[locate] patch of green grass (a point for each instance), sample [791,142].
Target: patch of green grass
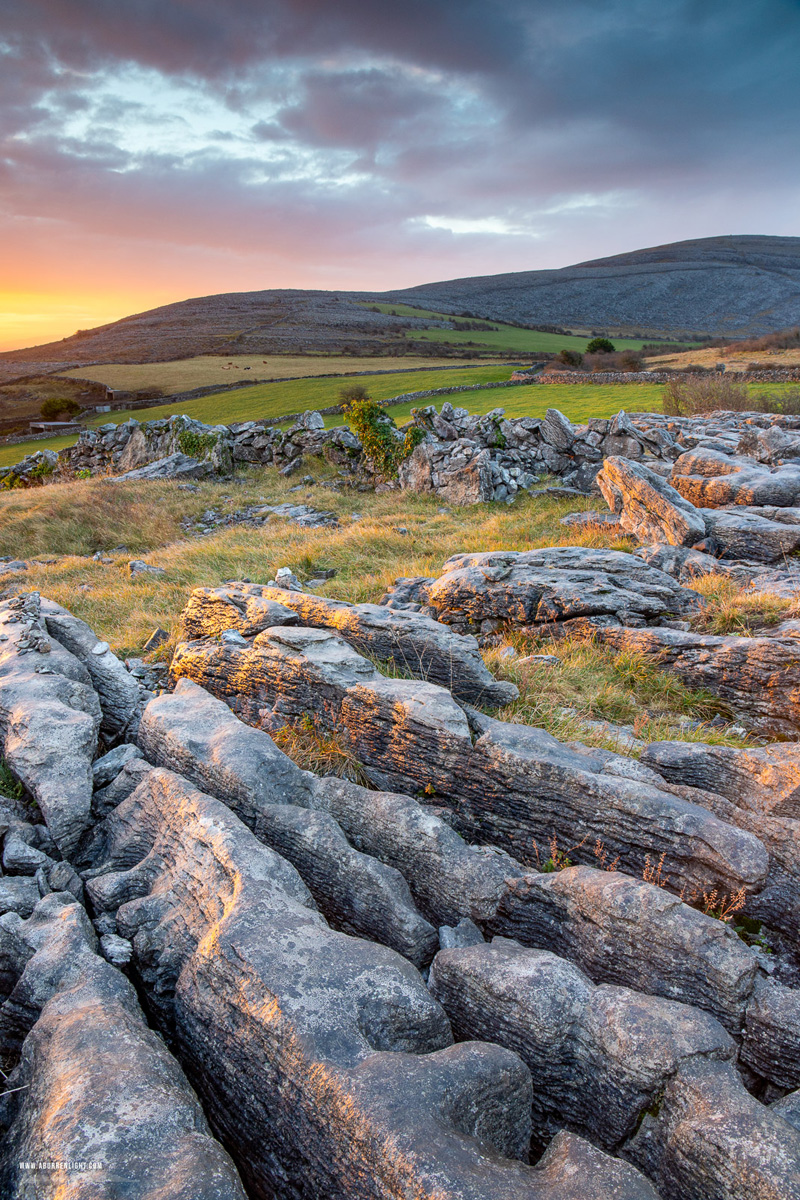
[10,786]
[501,337]
[14,453]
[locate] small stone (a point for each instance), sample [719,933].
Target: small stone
[138,567]
[232,637]
[100,648]
[465,933]
[116,950]
[157,638]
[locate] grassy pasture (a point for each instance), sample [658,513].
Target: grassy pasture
[577,401]
[207,370]
[501,338]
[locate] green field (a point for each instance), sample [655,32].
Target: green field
[576,401]
[501,339]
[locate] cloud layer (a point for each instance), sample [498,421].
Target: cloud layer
[163,148]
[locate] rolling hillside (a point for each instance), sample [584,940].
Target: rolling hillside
[722,286]
[719,286]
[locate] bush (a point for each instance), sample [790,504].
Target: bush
[686,395]
[690,394]
[377,431]
[782,339]
[600,345]
[629,360]
[55,406]
[570,358]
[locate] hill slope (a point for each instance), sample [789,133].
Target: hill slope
[732,285]
[727,285]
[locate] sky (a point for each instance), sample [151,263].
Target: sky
[153,150]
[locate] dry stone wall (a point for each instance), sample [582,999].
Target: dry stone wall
[463,458]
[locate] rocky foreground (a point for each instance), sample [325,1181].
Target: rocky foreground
[508,966]
[224,976]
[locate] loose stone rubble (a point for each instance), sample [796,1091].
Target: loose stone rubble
[275,924]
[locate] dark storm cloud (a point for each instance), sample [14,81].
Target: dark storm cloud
[359,118]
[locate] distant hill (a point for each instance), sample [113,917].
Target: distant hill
[727,286]
[735,286]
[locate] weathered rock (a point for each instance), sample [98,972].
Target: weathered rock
[18,894]
[592,520]
[749,793]
[599,1056]
[681,562]
[788,1108]
[550,585]
[514,785]
[94,1084]
[738,533]
[120,786]
[411,641]
[772,1034]
[197,735]
[621,930]
[759,677]
[710,479]
[761,779]
[710,1138]
[109,766]
[356,892]
[465,933]
[49,718]
[322,1059]
[557,430]
[121,696]
[300,514]
[647,505]
[174,466]
[661,945]
[137,566]
[448,878]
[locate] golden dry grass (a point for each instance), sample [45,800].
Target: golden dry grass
[776,360]
[380,537]
[730,608]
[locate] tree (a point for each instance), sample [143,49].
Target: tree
[54,407]
[600,345]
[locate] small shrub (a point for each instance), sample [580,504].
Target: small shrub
[196,445]
[570,358]
[377,431]
[782,339]
[600,345]
[559,860]
[629,360]
[602,859]
[41,469]
[84,473]
[653,872]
